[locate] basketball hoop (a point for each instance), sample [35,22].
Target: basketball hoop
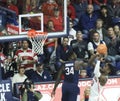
[37,40]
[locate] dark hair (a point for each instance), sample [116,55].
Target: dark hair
[21,66]
[39,63]
[104,7]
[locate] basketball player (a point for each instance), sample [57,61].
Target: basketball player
[100,78]
[70,89]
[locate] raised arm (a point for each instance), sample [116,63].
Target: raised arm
[57,81]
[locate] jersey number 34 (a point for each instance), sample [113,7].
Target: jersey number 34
[69,70]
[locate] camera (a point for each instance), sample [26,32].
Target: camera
[27,84]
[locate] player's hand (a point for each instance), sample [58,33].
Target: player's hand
[100,56]
[53,94]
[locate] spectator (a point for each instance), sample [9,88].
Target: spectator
[88,20]
[98,3]
[39,3]
[62,52]
[2,61]
[79,46]
[10,67]
[49,46]
[80,7]
[12,7]
[99,28]
[117,31]
[20,76]
[10,49]
[57,20]
[60,6]
[71,10]
[114,11]
[72,32]
[48,7]
[27,57]
[113,44]
[105,16]
[41,74]
[50,27]
[83,73]
[86,94]
[95,41]
[19,4]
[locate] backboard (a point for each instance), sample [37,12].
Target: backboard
[18,28]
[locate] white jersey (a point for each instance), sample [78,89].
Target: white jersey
[96,88]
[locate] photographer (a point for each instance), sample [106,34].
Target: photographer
[28,93]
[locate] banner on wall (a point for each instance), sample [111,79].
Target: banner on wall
[5,90]
[110,92]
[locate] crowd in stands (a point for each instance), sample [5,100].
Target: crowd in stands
[91,22]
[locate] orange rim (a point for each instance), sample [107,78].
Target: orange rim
[43,33]
[31,33]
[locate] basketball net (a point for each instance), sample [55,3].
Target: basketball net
[37,40]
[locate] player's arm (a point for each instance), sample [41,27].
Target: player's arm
[57,81]
[97,69]
[82,64]
[95,62]
[91,61]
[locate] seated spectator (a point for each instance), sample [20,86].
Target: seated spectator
[117,31]
[113,44]
[114,11]
[105,16]
[49,46]
[50,27]
[48,7]
[72,32]
[99,28]
[71,10]
[83,74]
[20,76]
[98,3]
[12,7]
[79,46]
[40,74]
[88,20]
[60,6]
[19,4]
[80,7]
[57,20]
[10,67]
[62,52]
[2,61]
[95,41]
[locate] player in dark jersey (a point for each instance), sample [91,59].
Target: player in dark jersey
[70,89]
